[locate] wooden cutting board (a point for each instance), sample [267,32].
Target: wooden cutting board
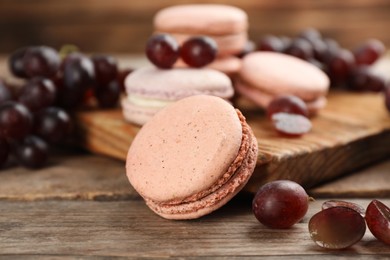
[351,132]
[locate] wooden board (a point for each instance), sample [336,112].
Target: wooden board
[353,131]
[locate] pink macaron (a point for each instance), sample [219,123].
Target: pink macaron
[192,157]
[149,89]
[266,75]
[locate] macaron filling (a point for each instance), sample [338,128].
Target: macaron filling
[227,186]
[148,102]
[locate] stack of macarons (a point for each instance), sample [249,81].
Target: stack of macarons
[227,25]
[149,89]
[266,75]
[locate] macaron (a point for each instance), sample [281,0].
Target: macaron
[266,75]
[227,25]
[192,157]
[149,89]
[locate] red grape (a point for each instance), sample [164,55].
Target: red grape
[287,104]
[300,48]
[368,52]
[337,227]
[198,51]
[378,220]
[5,92]
[280,204]
[387,98]
[332,49]
[15,63]
[162,50]
[347,204]
[106,68]
[32,152]
[15,120]
[108,95]
[340,65]
[4,151]
[122,74]
[38,93]
[310,34]
[249,47]
[52,124]
[41,61]
[363,79]
[270,43]
[291,124]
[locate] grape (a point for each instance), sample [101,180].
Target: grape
[38,93]
[270,43]
[363,79]
[368,52]
[300,48]
[387,98]
[106,68]
[15,63]
[249,47]
[108,95]
[122,74]
[378,220]
[15,120]
[162,50]
[78,76]
[337,227]
[4,151]
[291,124]
[319,49]
[198,51]
[347,204]
[41,61]
[286,42]
[280,204]
[32,152]
[332,49]
[287,104]
[310,34]
[52,124]
[5,92]
[340,65]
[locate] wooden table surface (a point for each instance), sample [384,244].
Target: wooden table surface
[82,206]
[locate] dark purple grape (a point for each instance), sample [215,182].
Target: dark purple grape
[4,151]
[250,46]
[78,75]
[300,48]
[280,204]
[317,63]
[108,95]
[106,68]
[5,92]
[53,124]
[335,203]
[387,98]
[162,50]
[37,93]
[368,52]
[364,79]
[310,34]
[15,120]
[340,66]
[319,49]
[378,220]
[122,75]
[41,61]
[332,49]
[15,63]
[337,227]
[270,43]
[31,152]
[199,51]
[286,42]
[287,104]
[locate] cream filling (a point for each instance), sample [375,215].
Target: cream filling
[148,102]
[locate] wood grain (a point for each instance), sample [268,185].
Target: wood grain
[345,136]
[129,229]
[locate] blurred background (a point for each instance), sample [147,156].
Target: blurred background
[118,26]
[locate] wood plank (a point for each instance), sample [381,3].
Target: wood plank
[345,136]
[130,229]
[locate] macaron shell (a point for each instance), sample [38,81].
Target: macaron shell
[178,83]
[184,149]
[227,44]
[277,73]
[210,19]
[263,99]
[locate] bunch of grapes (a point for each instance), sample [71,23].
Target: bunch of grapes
[37,114]
[350,69]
